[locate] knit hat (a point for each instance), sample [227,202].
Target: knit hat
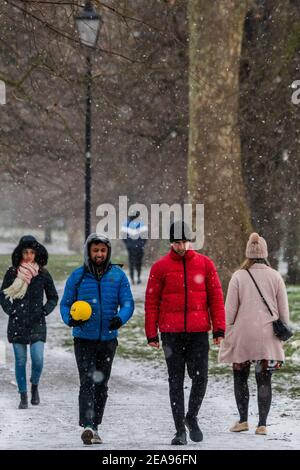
[256,247]
[180,231]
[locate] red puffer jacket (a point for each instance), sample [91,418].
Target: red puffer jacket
[184,294]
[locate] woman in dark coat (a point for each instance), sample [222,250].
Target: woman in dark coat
[22,298]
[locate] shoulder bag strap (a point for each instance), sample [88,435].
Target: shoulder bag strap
[262,297]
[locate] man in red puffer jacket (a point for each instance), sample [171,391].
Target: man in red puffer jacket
[184,301]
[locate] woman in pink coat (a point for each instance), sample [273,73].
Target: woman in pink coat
[249,334]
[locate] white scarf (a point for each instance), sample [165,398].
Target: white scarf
[25,273]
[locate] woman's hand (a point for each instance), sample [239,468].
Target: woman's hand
[217,341]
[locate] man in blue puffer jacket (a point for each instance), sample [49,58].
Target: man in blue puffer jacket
[106,288]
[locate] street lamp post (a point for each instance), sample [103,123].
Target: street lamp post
[88,24]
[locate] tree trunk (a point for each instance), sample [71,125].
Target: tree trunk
[292,251]
[269,121]
[75,236]
[214,161]
[48,234]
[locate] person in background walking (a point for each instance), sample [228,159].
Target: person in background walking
[249,333]
[22,298]
[135,233]
[184,300]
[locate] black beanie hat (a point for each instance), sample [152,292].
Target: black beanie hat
[179,230]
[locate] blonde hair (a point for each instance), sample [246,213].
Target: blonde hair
[247,263]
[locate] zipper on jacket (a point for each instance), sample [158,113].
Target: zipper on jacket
[100,303]
[100,306]
[185,293]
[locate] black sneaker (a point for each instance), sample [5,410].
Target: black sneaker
[179,439]
[194,430]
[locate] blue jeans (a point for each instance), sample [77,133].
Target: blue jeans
[37,361]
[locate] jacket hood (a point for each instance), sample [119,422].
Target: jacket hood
[98,238]
[28,241]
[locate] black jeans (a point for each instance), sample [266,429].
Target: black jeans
[189,349]
[135,257]
[94,361]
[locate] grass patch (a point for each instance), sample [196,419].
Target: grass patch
[294,304]
[59,266]
[133,343]
[5,262]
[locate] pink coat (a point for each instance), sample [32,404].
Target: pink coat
[249,331]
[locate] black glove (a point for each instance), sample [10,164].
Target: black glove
[73,322]
[115,323]
[153,340]
[218,334]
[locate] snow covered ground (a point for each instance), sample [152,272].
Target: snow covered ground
[137,415]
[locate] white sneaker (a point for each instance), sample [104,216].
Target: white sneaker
[96,438]
[87,436]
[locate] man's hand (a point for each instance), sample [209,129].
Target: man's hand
[153,342]
[73,322]
[218,341]
[218,336]
[115,323]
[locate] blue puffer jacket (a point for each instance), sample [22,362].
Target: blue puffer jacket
[109,296]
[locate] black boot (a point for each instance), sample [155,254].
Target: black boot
[193,427]
[35,398]
[179,439]
[24,401]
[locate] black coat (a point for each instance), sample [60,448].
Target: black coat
[27,323]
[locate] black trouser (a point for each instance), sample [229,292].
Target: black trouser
[94,361]
[264,393]
[189,349]
[135,256]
